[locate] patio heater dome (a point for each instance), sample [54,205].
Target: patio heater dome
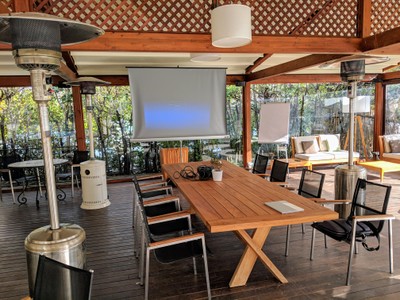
[87,84]
[36,38]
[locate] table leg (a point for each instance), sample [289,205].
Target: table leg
[253,251]
[382,173]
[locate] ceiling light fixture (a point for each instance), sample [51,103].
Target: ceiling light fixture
[231,26]
[204,57]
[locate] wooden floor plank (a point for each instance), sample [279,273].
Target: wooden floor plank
[109,245]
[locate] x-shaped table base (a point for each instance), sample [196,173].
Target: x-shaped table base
[249,257]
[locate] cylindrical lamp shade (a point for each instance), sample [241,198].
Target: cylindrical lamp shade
[231,26]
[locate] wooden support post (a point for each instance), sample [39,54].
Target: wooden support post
[379,122]
[246,125]
[79,120]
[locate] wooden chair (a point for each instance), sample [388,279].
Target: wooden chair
[173,156]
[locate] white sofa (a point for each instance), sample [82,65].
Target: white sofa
[320,149]
[389,147]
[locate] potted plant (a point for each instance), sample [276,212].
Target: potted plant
[216,162]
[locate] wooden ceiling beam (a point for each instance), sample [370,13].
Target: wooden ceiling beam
[168,42]
[258,62]
[307,78]
[69,61]
[15,81]
[364,18]
[22,5]
[20,81]
[384,43]
[3,8]
[390,76]
[65,72]
[294,65]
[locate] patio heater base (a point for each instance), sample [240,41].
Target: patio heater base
[94,184]
[66,244]
[345,183]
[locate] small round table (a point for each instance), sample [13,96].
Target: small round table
[36,164]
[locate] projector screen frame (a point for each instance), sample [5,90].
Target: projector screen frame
[214,88]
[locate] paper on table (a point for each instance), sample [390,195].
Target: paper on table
[284,207]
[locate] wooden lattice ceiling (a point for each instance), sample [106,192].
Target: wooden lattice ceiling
[269,17]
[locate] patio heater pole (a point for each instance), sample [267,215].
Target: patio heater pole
[89,111]
[36,41]
[346,176]
[42,98]
[93,172]
[352,94]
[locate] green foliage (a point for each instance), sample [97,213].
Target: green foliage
[312,110]
[112,120]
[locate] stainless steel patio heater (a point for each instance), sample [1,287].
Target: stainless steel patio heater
[36,41]
[93,172]
[346,176]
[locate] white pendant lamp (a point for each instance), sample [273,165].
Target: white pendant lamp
[231,26]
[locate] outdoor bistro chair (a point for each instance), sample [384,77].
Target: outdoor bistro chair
[6,176]
[162,192]
[151,181]
[311,184]
[170,249]
[366,219]
[155,201]
[56,280]
[279,172]
[16,175]
[79,156]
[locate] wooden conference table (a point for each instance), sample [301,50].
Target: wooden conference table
[237,203]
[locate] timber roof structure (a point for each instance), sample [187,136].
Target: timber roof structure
[291,38]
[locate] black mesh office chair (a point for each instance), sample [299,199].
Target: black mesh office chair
[260,164]
[279,171]
[311,184]
[55,280]
[366,221]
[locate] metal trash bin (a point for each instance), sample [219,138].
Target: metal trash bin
[94,184]
[345,183]
[66,244]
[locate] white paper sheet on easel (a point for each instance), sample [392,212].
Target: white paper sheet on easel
[274,123]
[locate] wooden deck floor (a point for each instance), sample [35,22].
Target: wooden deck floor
[110,254]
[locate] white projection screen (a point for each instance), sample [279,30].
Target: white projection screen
[178,103]
[274,123]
